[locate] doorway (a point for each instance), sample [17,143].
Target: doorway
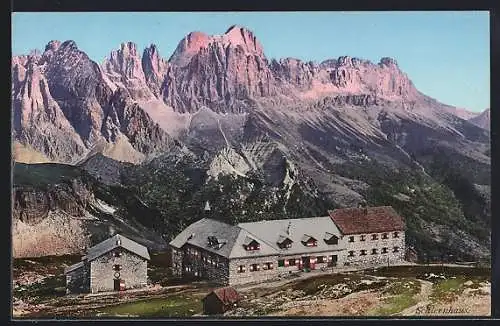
[334,260]
[116,286]
[306,262]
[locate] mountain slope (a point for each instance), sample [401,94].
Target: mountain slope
[482,120]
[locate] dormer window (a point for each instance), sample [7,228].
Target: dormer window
[309,241]
[216,243]
[284,242]
[251,244]
[331,239]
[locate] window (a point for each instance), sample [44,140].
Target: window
[384,250]
[374,236]
[351,254]
[320,259]
[395,235]
[385,236]
[362,237]
[291,262]
[374,251]
[362,253]
[117,254]
[117,267]
[241,269]
[396,249]
[267,266]
[351,239]
[254,267]
[281,263]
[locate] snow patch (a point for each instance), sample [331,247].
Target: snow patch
[103,206]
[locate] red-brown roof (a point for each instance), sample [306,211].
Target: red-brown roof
[227,295]
[367,220]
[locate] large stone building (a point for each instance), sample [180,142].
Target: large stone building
[258,251]
[373,235]
[115,264]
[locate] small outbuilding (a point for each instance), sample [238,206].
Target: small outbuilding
[220,300]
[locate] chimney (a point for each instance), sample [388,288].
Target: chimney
[288,228]
[118,241]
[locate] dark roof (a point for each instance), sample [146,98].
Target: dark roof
[227,295]
[73,267]
[329,235]
[367,220]
[115,242]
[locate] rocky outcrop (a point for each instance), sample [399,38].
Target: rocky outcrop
[482,120]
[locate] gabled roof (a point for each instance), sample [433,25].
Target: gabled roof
[197,235]
[117,241]
[367,220]
[227,295]
[273,231]
[73,267]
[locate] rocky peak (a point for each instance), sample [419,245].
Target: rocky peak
[129,48]
[189,46]
[124,68]
[237,35]
[234,37]
[155,68]
[53,45]
[389,62]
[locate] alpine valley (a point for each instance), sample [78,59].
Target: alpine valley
[140,144]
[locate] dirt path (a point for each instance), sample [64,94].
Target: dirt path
[423,299]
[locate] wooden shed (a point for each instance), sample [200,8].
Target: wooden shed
[220,300]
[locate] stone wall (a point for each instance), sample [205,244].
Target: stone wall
[177,258]
[379,258]
[134,271]
[328,261]
[77,281]
[194,262]
[246,275]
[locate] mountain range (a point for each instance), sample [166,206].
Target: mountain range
[257,137]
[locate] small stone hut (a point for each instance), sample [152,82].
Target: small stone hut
[115,264]
[220,300]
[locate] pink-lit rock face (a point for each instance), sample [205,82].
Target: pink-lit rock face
[124,68]
[155,68]
[226,73]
